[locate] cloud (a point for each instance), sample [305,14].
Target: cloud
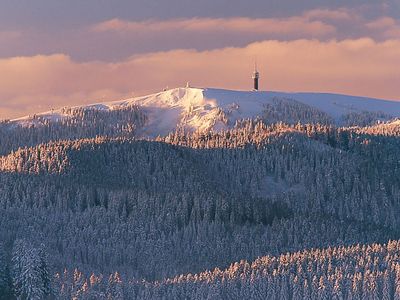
[382,23]
[340,14]
[386,26]
[9,35]
[359,66]
[116,39]
[297,26]
[213,33]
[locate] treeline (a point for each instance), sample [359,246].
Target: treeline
[354,272]
[365,118]
[391,128]
[72,123]
[291,111]
[126,121]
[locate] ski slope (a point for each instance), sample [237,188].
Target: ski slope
[216,109]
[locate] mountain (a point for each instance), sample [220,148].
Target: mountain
[197,109]
[137,199]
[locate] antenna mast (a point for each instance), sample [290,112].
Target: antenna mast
[256,76]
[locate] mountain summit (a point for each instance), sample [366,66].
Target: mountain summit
[204,109]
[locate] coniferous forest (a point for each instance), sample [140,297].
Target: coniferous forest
[289,206]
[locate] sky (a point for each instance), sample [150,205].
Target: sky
[64,53]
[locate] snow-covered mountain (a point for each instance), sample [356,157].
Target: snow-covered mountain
[208,108]
[134,218]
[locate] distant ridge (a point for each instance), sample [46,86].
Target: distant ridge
[203,109]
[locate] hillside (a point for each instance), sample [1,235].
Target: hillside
[196,109]
[269,188]
[355,272]
[94,208]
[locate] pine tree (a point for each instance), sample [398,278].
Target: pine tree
[114,288]
[5,278]
[44,270]
[397,285]
[28,274]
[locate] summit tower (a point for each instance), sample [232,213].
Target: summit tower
[256,76]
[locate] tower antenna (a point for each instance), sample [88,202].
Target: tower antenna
[256,76]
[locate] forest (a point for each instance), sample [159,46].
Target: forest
[290,209]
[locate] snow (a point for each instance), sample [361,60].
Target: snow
[337,105]
[209,108]
[394,123]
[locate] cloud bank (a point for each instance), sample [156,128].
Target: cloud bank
[353,66]
[116,38]
[294,26]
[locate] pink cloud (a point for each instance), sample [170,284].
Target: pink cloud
[294,25]
[116,39]
[386,26]
[9,35]
[359,66]
[342,14]
[382,23]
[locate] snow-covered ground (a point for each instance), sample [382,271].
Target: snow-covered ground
[209,108]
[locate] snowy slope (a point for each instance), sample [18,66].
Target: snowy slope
[209,108]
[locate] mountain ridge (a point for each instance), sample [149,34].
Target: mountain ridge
[204,109]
